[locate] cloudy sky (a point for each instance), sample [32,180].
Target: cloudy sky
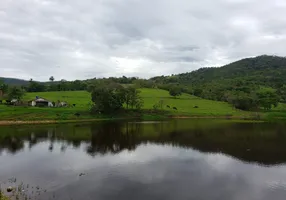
[79,39]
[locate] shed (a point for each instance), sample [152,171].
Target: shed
[41,102]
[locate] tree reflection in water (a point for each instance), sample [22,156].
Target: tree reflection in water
[252,142]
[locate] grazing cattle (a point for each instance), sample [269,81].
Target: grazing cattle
[196,106]
[8,102]
[175,108]
[77,114]
[168,106]
[74,105]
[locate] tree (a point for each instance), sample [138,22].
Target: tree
[52,79]
[63,85]
[282,93]
[107,99]
[132,98]
[198,92]
[35,87]
[242,100]
[16,93]
[267,99]
[3,88]
[175,91]
[142,83]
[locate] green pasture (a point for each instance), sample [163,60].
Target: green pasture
[187,105]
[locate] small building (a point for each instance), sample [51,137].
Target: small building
[41,102]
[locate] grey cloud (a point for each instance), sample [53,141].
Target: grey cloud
[85,37]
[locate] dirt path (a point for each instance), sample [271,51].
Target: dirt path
[27,122]
[6,122]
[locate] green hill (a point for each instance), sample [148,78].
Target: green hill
[14,81]
[241,83]
[262,70]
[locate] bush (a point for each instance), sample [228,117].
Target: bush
[175,91]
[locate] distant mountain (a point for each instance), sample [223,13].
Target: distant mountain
[14,81]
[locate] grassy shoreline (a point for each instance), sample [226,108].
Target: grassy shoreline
[147,117]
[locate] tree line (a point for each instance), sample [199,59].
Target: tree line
[109,94]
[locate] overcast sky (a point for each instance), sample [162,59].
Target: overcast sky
[79,39]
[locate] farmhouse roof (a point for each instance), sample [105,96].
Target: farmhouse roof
[40,100]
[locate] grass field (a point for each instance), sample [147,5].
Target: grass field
[186,103]
[185,106]
[82,100]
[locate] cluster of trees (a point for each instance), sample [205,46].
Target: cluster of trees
[10,92]
[111,97]
[175,91]
[256,100]
[3,88]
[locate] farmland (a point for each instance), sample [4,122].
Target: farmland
[186,106]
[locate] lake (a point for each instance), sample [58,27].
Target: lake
[178,159]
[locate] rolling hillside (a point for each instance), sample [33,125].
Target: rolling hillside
[14,81]
[241,83]
[262,70]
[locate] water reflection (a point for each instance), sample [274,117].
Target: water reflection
[253,142]
[185,159]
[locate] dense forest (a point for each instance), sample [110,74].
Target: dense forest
[247,84]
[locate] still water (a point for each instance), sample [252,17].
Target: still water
[182,159]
